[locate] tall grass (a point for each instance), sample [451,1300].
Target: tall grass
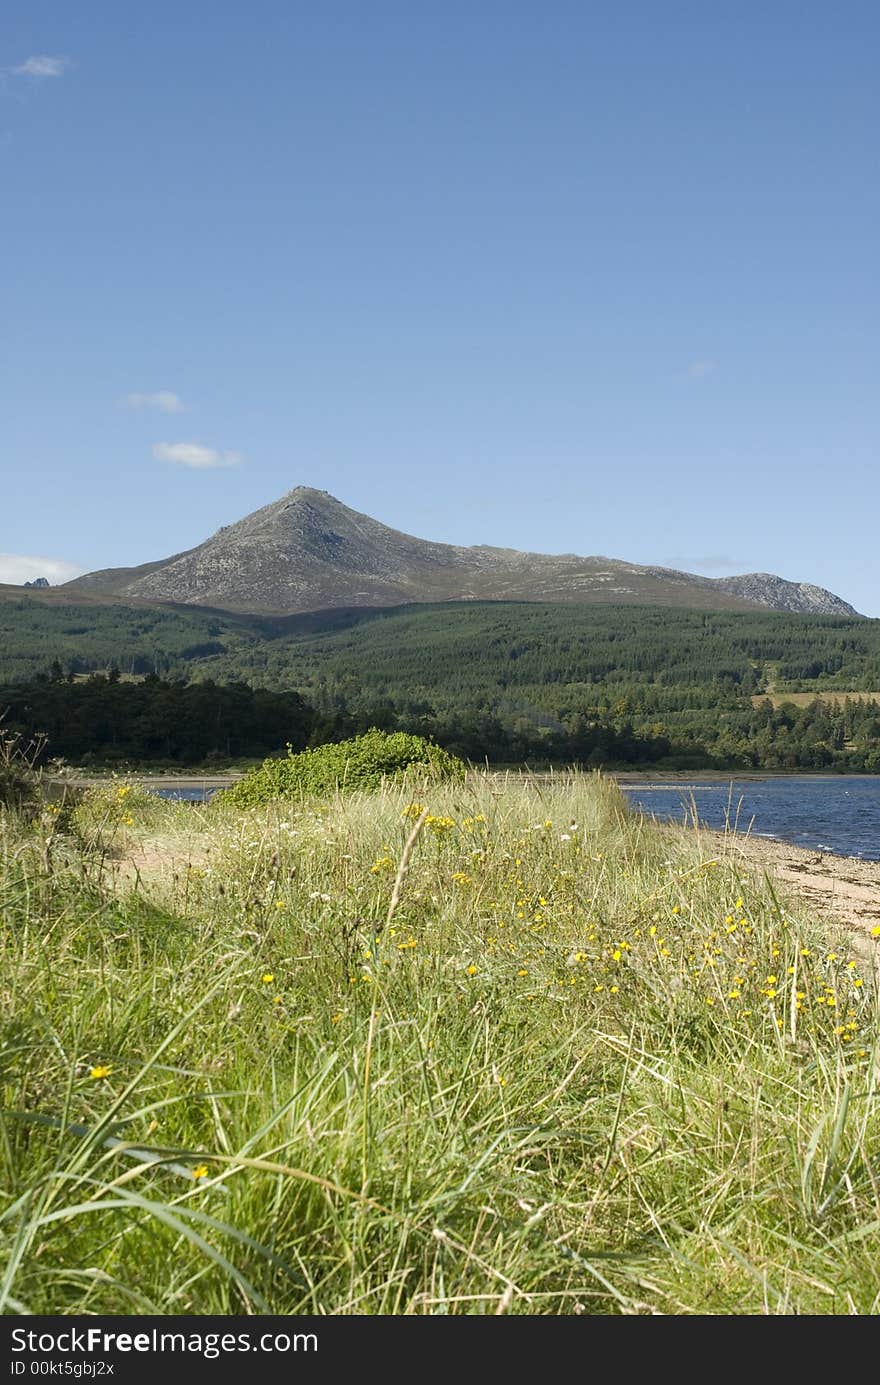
[576,1066]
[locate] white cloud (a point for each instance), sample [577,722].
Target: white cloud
[698,370]
[42,66]
[166,401]
[18,568]
[193,454]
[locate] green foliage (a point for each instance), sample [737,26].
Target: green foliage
[108,720]
[508,682]
[361,763]
[95,637]
[510,644]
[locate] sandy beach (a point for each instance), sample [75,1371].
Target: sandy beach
[840,888]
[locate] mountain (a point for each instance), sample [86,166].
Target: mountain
[308,552]
[764,589]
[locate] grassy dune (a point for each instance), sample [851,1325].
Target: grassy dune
[565,1064]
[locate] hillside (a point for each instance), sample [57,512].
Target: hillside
[477,645]
[308,551]
[507,681]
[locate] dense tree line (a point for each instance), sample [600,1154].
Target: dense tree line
[106,720]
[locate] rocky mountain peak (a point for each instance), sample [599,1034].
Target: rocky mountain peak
[308,551]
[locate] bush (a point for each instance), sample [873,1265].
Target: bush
[361,763]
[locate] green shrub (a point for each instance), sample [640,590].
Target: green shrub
[361,763]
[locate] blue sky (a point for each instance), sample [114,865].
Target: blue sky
[570,277]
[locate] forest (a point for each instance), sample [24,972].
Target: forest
[518,642]
[503,682]
[103,721]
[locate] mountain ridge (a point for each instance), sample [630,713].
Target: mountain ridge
[308,551]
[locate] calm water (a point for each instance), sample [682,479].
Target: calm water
[840,815]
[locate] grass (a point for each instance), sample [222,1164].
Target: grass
[564,1063]
[804,699]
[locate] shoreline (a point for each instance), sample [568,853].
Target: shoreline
[725,776]
[842,888]
[845,887]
